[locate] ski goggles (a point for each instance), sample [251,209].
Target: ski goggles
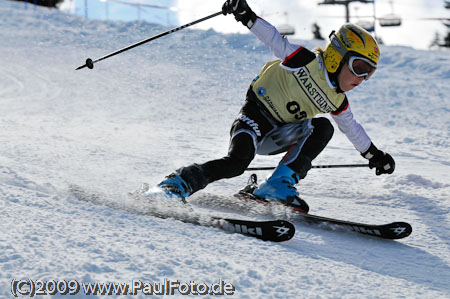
[361,67]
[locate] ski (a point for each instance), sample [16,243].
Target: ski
[394,230]
[272,230]
[269,230]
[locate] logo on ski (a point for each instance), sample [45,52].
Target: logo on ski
[281,230]
[272,230]
[398,230]
[243,229]
[361,229]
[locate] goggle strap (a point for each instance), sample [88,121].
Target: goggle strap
[338,45]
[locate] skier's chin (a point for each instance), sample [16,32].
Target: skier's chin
[349,87]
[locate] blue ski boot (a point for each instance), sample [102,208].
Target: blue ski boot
[173,186]
[280,186]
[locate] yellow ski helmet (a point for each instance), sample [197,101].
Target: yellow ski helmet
[350,40]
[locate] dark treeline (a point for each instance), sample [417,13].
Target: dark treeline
[48,3]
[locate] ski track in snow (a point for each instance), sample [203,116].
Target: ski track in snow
[138,116]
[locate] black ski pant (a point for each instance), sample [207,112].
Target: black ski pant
[255,131]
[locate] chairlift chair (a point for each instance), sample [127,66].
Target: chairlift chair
[286,29]
[390,20]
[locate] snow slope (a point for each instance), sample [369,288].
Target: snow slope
[138,116]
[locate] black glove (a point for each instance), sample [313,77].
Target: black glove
[241,11]
[383,162]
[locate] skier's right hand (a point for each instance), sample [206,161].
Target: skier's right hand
[241,11]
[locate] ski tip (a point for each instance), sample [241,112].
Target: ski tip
[285,230]
[398,230]
[280,231]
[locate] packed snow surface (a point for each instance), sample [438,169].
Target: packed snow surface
[138,116]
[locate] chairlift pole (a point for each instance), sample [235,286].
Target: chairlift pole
[347,11]
[374,20]
[346,3]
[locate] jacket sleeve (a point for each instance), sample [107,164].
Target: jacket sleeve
[352,129]
[269,35]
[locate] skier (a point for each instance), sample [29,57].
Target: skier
[279,112]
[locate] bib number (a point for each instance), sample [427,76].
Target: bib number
[294,108]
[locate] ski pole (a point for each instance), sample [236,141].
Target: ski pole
[90,63]
[314,166]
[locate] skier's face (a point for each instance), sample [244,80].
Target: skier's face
[348,81]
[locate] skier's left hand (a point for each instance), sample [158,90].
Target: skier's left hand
[381,161]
